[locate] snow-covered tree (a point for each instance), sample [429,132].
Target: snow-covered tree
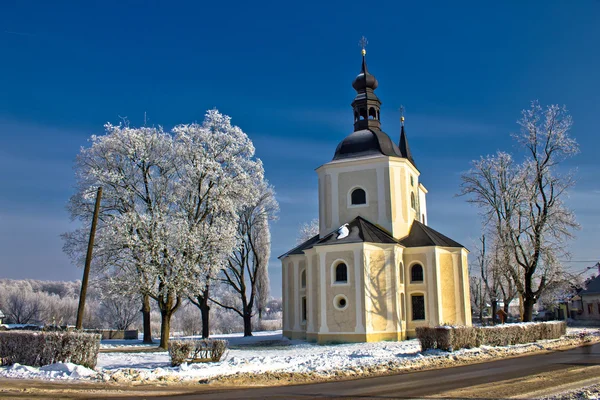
[307,230]
[219,179]
[246,271]
[169,206]
[493,267]
[119,312]
[23,307]
[523,203]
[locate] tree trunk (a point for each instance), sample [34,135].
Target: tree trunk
[494,310]
[528,303]
[481,303]
[205,312]
[146,318]
[247,324]
[521,309]
[165,328]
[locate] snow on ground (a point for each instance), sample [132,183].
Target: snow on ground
[268,352]
[56,371]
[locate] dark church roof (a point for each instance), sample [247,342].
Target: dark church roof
[368,138]
[363,231]
[364,79]
[404,149]
[421,235]
[360,229]
[301,247]
[593,287]
[366,142]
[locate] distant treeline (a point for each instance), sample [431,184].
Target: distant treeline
[30,301]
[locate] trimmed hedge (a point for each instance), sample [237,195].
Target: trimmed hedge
[43,348]
[451,338]
[189,350]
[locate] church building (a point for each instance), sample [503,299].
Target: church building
[376,270]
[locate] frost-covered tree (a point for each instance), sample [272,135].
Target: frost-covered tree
[134,166]
[24,307]
[246,271]
[307,230]
[119,312]
[476,292]
[220,178]
[493,268]
[523,202]
[169,206]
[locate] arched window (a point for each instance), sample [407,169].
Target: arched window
[341,273]
[363,113]
[372,113]
[413,203]
[418,306]
[412,181]
[416,273]
[358,196]
[355,116]
[303,279]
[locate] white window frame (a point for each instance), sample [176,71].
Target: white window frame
[409,276]
[333,267]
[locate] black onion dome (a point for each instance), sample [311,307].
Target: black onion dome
[364,79]
[366,142]
[368,139]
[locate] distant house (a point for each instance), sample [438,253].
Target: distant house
[590,300]
[1,316]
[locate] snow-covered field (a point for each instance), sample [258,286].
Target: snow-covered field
[269,352]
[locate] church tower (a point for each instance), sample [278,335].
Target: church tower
[376,270]
[370,175]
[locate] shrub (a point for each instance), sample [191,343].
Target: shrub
[443,337]
[465,337]
[43,348]
[196,350]
[426,336]
[459,337]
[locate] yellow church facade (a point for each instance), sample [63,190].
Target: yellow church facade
[376,271]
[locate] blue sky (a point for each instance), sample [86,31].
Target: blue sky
[283,71]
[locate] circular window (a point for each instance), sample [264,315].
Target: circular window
[340,302]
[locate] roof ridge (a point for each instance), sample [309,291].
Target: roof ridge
[382,229]
[425,230]
[300,246]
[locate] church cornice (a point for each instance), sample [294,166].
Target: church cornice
[371,160]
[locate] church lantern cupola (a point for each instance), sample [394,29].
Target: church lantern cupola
[366,104]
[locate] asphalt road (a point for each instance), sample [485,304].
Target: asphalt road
[516,377]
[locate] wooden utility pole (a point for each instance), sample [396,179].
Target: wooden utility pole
[88,261]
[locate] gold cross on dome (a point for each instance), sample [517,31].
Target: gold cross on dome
[363,44]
